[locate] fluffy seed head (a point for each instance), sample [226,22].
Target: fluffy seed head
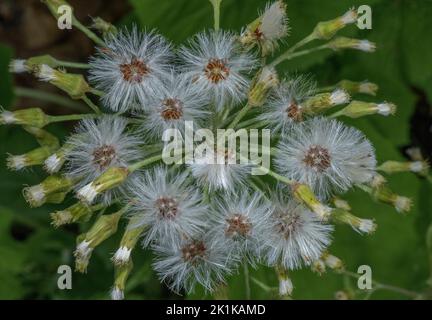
[327,156]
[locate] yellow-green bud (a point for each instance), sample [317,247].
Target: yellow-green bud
[29,117]
[332,261]
[342,295]
[361,225]
[341,204]
[104,27]
[73,84]
[110,179]
[74,213]
[377,181]
[341,43]
[33,63]
[327,29]
[353,87]
[305,195]
[44,138]
[419,167]
[358,109]
[121,275]
[400,203]
[32,158]
[267,79]
[285,284]
[102,229]
[323,101]
[318,266]
[127,243]
[54,186]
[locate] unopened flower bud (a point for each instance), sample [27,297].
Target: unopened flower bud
[110,179]
[385,195]
[318,266]
[341,204]
[353,87]
[74,213]
[305,195]
[53,185]
[366,226]
[419,167]
[18,66]
[29,117]
[73,84]
[327,29]
[323,101]
[32,158]
[121,275]
[285,283]
[102,229]
[55,162]
[377,181]
[266,80]
[127,243]
[341,43]
[104,27]
[342,295]
[332,261]
[358,109]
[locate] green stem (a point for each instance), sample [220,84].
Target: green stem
[216,13]
[247,281]
[97,92]
[239,116]
[280,178]
[291,55]
[75,65]
[379,285]
[49,97]
[88,32]
[94,107]
[72,117]
[144,163]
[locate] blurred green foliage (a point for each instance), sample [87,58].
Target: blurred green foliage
[31,250]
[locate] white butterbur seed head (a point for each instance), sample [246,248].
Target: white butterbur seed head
[326,155]
[130,68]
[174,103]
[217,67]
[298,237]
[219,176]
[338,97]
[167,207]
[240,223]
[268,29]
[117,294]
[185,263]
[122,255]
[332,261]
[284,107]
[97,146]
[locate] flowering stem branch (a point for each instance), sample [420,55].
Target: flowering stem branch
[291,55]
[379,285]
[216,13]
[94,107]
[247,281]
[75,65]
[97,92]
[239,116]
[144,163]
[88,32]
[49,97]
[72,117]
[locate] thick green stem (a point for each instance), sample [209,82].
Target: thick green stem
[216,13]
[291,55]
[94,107]
[240,115]
[72,117]
[75,65]
[144,163]
[49,97]
[88,32]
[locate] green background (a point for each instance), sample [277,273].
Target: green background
[31,250]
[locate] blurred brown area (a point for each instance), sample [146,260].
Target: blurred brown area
[28,27]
